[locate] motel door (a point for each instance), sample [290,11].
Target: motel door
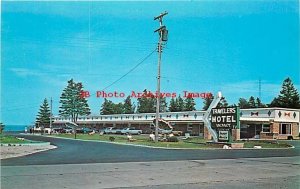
[258,128]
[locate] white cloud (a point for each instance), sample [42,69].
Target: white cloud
[39,74]
[25,72]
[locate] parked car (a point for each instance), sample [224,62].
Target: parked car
[83,130]
[164,131]
[108,130]
[112,130]
[131,131]
[67,130]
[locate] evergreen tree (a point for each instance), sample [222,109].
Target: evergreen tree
[207,101]
[173,105]
[72,104]
[177,104]
[118,108]
[180,104]
[163,105]
[243,103]
[223,103]
[189,104]
[107,107]
[259,104]
[251,102]
[128,106]
[288,97]
[2,127]
[147,103]
[43,117]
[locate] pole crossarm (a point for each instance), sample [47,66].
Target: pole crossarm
[206,120]
[161,15]
[160,28]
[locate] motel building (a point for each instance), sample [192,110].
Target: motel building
[258,123]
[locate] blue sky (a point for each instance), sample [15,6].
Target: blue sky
[213,46]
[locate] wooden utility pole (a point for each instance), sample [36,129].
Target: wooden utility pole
[163,32]
[50,115]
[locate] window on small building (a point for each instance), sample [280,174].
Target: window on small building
[285,128]
[265,128]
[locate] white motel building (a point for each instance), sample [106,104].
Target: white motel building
[258,123]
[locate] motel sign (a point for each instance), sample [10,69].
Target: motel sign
[224,118]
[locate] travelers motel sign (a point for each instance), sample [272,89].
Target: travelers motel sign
[224,118]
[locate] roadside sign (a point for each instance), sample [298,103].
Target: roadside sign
[224,118]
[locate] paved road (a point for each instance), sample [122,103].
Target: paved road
[78,152]
[249,173]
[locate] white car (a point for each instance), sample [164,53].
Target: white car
[108,130]
[131,131]
[112,130]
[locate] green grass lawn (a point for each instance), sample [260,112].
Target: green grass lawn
[194,142]
[265,144]
[7,139]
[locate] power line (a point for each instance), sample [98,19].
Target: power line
[143,60]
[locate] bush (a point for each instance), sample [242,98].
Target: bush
[290,138]
[172,139]
[112,138]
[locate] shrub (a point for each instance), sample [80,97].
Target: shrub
[172,139]
[112,138]
[290,138]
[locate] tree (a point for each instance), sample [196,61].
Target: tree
[243,103]
[43,117]
[251,102]
[288,97]
[2,127]
[189,104]
[72,104]
[118,108]
[207,101]
[173,105]
[259,104]
[180,104]
[147,103]
[177,104]
[107,107]
[128,107]
[163,105]
[223,103]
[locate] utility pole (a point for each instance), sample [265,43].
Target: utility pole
[163,36]
[259,88]
[50,115]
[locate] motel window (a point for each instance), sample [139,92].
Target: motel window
[265,128]
[285,128]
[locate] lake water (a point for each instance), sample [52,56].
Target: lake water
[15,127]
